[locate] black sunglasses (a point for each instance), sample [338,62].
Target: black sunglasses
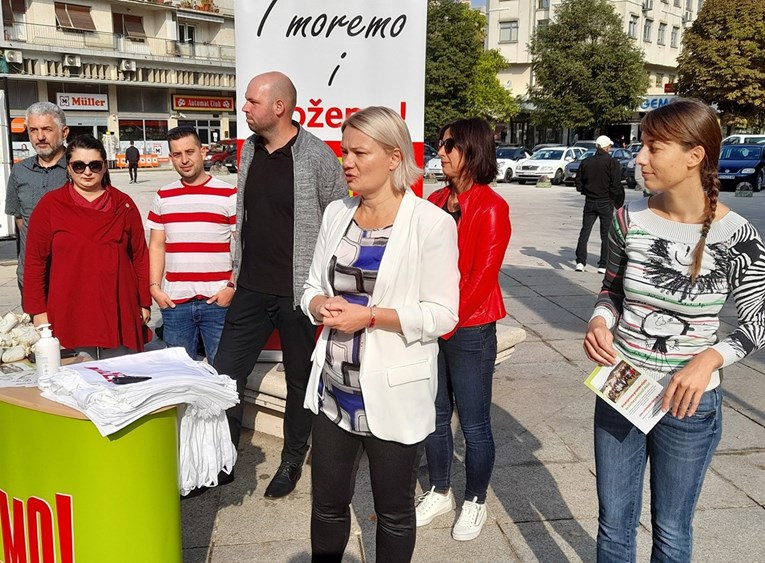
[448,144]
[79,166]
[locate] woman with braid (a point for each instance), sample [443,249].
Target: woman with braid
[674,258]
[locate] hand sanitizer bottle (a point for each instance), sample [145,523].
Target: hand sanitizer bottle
[47,352]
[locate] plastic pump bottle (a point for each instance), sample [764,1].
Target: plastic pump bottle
[47,352]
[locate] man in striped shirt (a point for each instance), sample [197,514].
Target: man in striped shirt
[192,222]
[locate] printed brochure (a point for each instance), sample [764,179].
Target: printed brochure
[634,395]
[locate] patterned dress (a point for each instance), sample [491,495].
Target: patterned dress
[352,274]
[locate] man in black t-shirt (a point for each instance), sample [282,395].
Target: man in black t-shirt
[132,156]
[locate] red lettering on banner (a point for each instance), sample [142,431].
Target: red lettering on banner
[40,531]
[39,538]
[317,117]
[14,539]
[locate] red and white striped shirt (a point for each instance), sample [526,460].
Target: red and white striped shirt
[198,222]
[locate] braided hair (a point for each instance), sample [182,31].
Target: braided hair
[692,123]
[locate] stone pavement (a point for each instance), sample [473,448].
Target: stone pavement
[542,503]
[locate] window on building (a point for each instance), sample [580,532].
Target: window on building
[186,33]
[508,32]
[129,26]
[543,4]
[543,23]
[72,17]
[12,9]
[678,3]
[674,36]
[647,28]
[688,5]
[648,4]
[633,26]
[661,34]
[659,79]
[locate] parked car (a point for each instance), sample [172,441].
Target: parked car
[742,165]
[548,162]
[433,169]
[743,139]
[586,144]
[232,163]
[217,154]
[541,146]
[629,174]
[507,159]
[572,168]
[634,148]
[430,152]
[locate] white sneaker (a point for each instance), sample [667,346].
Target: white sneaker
[579,267]
[433,504]
[471,521]
[601,270]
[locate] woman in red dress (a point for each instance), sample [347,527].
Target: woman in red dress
[86,269]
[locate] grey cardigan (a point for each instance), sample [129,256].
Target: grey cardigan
[319,180]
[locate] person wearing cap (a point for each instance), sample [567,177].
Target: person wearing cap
[600,181]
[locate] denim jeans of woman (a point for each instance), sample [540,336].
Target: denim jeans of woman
[679,451]
[393,470]
[465,371]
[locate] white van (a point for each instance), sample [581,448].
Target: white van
[743,139]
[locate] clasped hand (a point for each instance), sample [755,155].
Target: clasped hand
[336,312]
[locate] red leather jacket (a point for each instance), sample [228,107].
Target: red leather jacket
[483,232]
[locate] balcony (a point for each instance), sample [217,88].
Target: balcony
[110,44]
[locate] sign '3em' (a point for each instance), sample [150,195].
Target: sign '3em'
[341,55]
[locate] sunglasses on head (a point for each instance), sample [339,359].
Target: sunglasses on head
[79,166]
[448,144]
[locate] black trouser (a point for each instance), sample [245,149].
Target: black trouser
[335,456]
[250,320]
[594,209]
[133,171]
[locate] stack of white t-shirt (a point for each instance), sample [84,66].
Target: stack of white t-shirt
[175,379]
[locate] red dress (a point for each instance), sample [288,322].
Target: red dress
[89,270]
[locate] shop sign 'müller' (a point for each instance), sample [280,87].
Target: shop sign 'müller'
[45,529]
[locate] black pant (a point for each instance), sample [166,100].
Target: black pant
[335,456]
[251,318]
[133,171]
[601,209]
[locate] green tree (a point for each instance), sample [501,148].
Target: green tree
[588,71]
[486,97]
[454,46]
[723,60]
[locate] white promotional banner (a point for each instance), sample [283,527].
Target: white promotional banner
[342,55]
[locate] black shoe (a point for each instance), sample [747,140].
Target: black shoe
[285,479]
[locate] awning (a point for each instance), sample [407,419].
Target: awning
[11,7]
[134,27]
[72,16]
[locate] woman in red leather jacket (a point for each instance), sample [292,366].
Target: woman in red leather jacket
[466,355]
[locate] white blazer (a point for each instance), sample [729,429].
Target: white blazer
[419,278]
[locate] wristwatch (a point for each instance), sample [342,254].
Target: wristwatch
[231,284]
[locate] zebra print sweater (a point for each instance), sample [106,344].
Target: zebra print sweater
[662,319]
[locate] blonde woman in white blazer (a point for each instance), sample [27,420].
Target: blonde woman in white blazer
[384,282]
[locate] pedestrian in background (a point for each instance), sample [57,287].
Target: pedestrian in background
[600,181]
[86,251]
[192,221]
[35,176]
[384,282]
[467,354]
[674,260]
[287,177]
[132,156]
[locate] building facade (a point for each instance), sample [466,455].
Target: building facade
[129,69]
[656,27]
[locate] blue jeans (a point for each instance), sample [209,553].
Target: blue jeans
[465,371]
[680,452]
[183,325]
